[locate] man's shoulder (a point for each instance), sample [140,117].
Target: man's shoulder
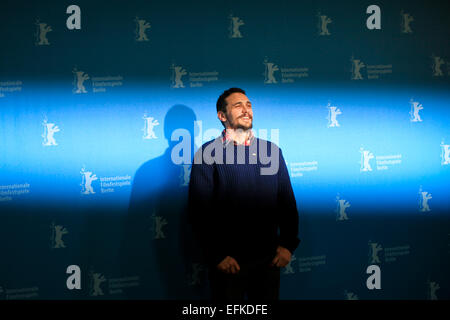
[200,153]
[215,141]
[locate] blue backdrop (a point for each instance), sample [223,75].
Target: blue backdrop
[87,115]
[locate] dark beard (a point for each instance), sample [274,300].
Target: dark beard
[242,127]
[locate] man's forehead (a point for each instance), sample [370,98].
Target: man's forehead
[236,97]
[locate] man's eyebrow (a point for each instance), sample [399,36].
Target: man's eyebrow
[241,102]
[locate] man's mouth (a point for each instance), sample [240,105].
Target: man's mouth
[246,118]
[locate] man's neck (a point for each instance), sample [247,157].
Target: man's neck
[238,135]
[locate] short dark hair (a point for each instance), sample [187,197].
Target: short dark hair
[221,104]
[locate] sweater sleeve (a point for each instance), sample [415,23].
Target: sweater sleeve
[287,209]
[201,211]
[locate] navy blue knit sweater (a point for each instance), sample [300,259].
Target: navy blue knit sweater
[234,209]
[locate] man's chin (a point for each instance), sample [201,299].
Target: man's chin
[242,127]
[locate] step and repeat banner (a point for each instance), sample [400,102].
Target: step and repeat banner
[355,93]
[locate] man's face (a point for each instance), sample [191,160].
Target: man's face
[239,113]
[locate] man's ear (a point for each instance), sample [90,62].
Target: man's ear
[221,116]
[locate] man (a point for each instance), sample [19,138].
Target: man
[240,196]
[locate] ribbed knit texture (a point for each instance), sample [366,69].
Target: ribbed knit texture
[234,209]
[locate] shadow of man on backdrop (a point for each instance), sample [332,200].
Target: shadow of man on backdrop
[157,241]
